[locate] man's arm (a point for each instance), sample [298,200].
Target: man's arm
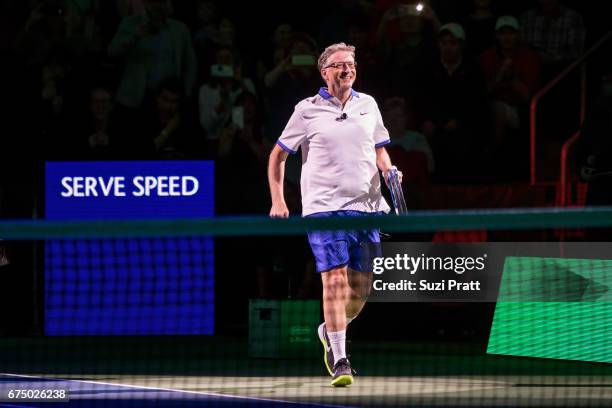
[276,177]
[383,162]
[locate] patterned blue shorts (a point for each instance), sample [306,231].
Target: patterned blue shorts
[355,248]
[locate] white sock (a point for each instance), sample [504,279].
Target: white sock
[337,341]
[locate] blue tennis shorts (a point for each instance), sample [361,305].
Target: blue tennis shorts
[333,249]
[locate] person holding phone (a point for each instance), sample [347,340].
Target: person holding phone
[164,128]
[342,138]
[242,154]
[219,94]
[45,33]
[243,136]
[291,79]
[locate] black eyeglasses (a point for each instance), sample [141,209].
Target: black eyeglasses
[340,65]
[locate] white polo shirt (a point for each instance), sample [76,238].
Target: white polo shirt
[338,152]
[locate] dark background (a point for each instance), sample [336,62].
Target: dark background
[29,137]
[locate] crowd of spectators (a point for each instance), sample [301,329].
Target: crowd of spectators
[202,79]
[155,79]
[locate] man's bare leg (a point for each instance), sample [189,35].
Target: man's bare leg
[336,292]
[360,285]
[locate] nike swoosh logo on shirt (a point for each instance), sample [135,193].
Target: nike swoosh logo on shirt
[363,113]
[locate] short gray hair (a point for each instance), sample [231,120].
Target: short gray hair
[332,49]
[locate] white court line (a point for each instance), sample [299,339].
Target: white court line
[206,393]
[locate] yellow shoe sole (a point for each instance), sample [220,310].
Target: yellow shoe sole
[342,381]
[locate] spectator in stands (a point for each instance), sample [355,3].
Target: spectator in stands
[154,47]
[45,33]
[457,115]
[165,130]
[512,72]
[401,123]
[292,80]
[479,27]
[93,135]
[131,7]
[334,24]
[283,35]
[53,105]
[409,150]
[388,27]
[100,104]
[241,161]
[226,34]
[203,38]
[82,24]
[556,32]
[276,51]
[595,148]
[55,75]
[594,155]
[217,97]
[406,41]
[243,153]
[370,70]
[207,20]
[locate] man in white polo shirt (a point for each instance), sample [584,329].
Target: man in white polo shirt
[341,135]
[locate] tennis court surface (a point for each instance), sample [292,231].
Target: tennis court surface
[175,372]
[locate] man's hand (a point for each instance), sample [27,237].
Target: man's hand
[400,175]
[279,210]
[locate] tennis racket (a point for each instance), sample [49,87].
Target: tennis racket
[397,195]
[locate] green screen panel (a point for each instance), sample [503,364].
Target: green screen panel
[554,308]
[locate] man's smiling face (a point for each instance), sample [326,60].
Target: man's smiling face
[340,71]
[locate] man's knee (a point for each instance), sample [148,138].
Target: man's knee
[336,278]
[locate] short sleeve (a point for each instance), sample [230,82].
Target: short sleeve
[381,134]
[294,134]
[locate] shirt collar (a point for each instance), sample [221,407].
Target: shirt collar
[326,95]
